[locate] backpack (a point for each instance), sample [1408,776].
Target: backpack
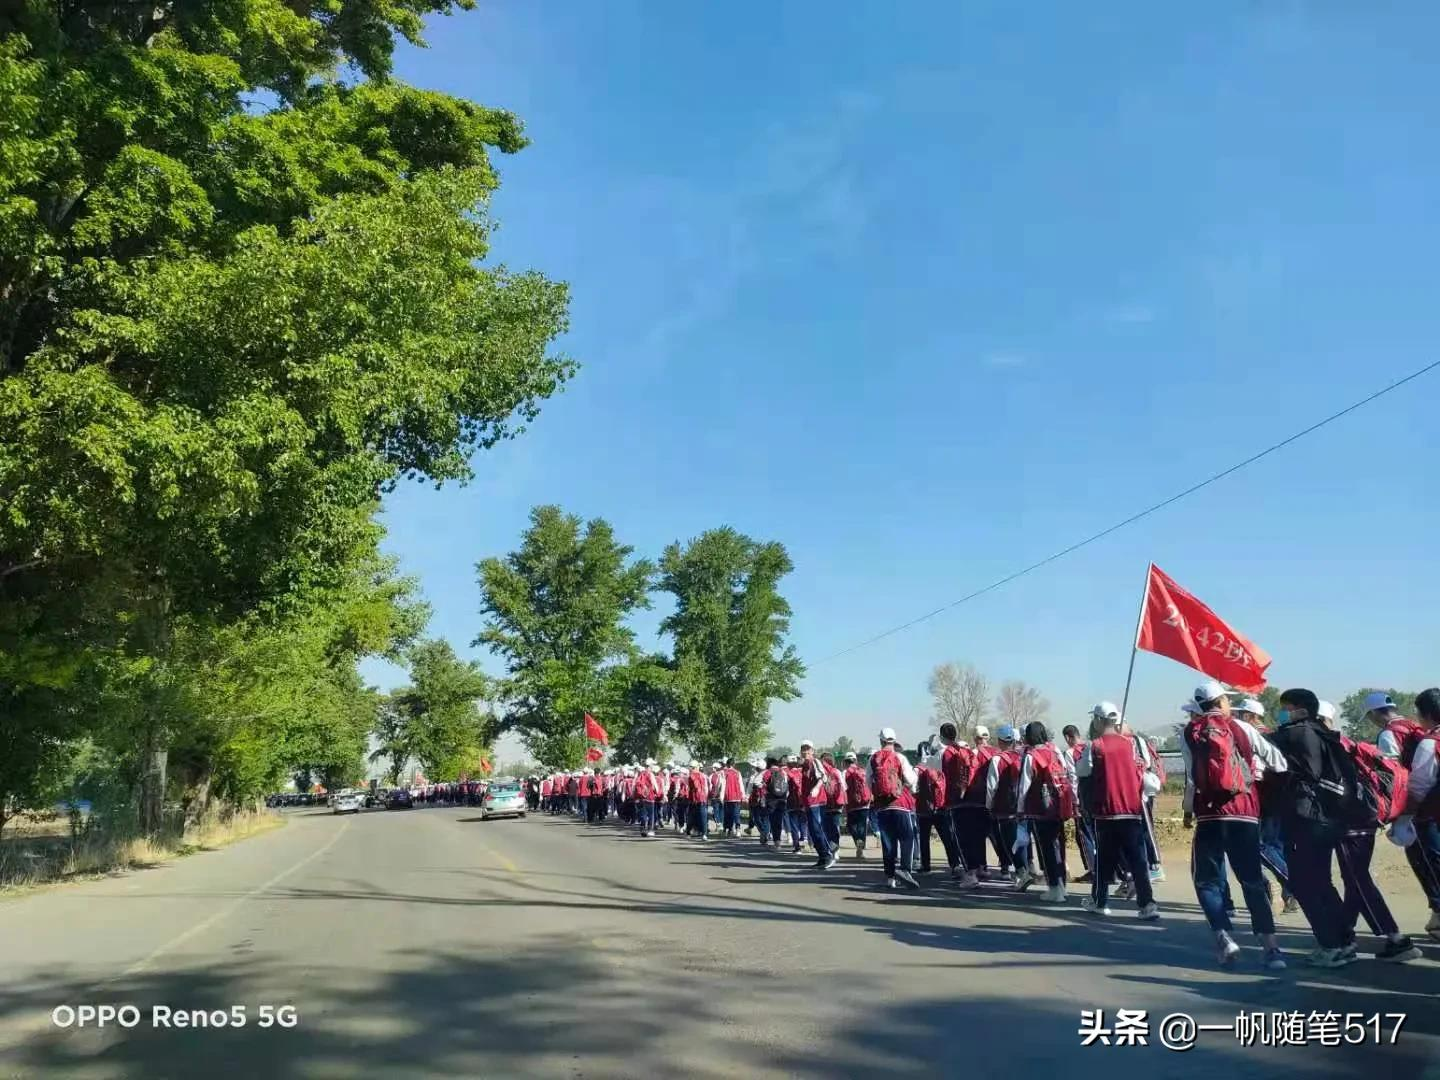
[1057,801]
[932,789]
[1338,790]
[1220,768]
[960,774]
[834,788]
[1384,784]
[778,786]
[1408,734]
[887,776]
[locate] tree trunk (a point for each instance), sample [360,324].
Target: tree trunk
[152,790]
[197,801]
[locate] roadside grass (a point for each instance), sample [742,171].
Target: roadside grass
[43,856]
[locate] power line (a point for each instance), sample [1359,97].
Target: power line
[1136,517]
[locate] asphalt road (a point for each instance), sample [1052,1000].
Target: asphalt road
[430,943]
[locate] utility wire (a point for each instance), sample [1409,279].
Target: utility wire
[1135,517]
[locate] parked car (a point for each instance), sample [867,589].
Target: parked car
[399,799]
[503,799]
[346,802]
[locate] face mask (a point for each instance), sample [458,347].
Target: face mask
[1282,717]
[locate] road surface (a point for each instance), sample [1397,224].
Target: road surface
[430,943]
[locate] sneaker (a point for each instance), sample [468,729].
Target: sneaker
[1399,950]
[1348,952]
[1024,881]
[1226,950]
[1274,960]
[832,862]
[970,880]
[1292,907]
[1054,895]
[1086,877]
[1125,890]
[1433,926]
[860,853]
[1149,913]
[891,883]
[1157,873]
[1088,904]
[1328,958]
[904,877]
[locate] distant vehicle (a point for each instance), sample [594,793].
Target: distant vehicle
[346,802]
[399,799]
[503,799]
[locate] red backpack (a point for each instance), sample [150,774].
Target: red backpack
[1408,734]
[958,763]
[857,788]
[888,785]
[834,788]
[1384,781]
[932,790]
[1220,768]
[1057,800]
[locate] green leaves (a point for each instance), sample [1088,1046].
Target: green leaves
[556,611]
[729,628]
[239,300]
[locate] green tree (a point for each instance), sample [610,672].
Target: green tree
[436,720]
[240,297]
[842,746]
[1352,715]
[729,627]
[556,612]
[641,694]
[779,752]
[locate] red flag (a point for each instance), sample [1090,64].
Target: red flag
[594,754]
[1180,626]
[594,731]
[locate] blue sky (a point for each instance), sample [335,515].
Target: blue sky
[928,292]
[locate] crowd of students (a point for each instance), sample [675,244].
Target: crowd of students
[1294,798]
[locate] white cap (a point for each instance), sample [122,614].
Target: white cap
[1189,707]
[982,732]
[649,761]
[653,767]
[1106,710]
[807,742]
[1326,711]
[886,735]
[1251,705]
[850,755]
[1209,690]
[1378,699]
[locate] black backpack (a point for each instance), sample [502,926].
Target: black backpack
[779,787]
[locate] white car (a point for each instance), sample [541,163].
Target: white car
[347,802]
[503,799]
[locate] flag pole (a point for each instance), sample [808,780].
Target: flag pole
[1135,641]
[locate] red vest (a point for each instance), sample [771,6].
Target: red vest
[975,793]
[857,788]
[812,775]
[1076,751]
[1115,777]
[1006,803]
[734,788]
[699,786]
[797,788]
